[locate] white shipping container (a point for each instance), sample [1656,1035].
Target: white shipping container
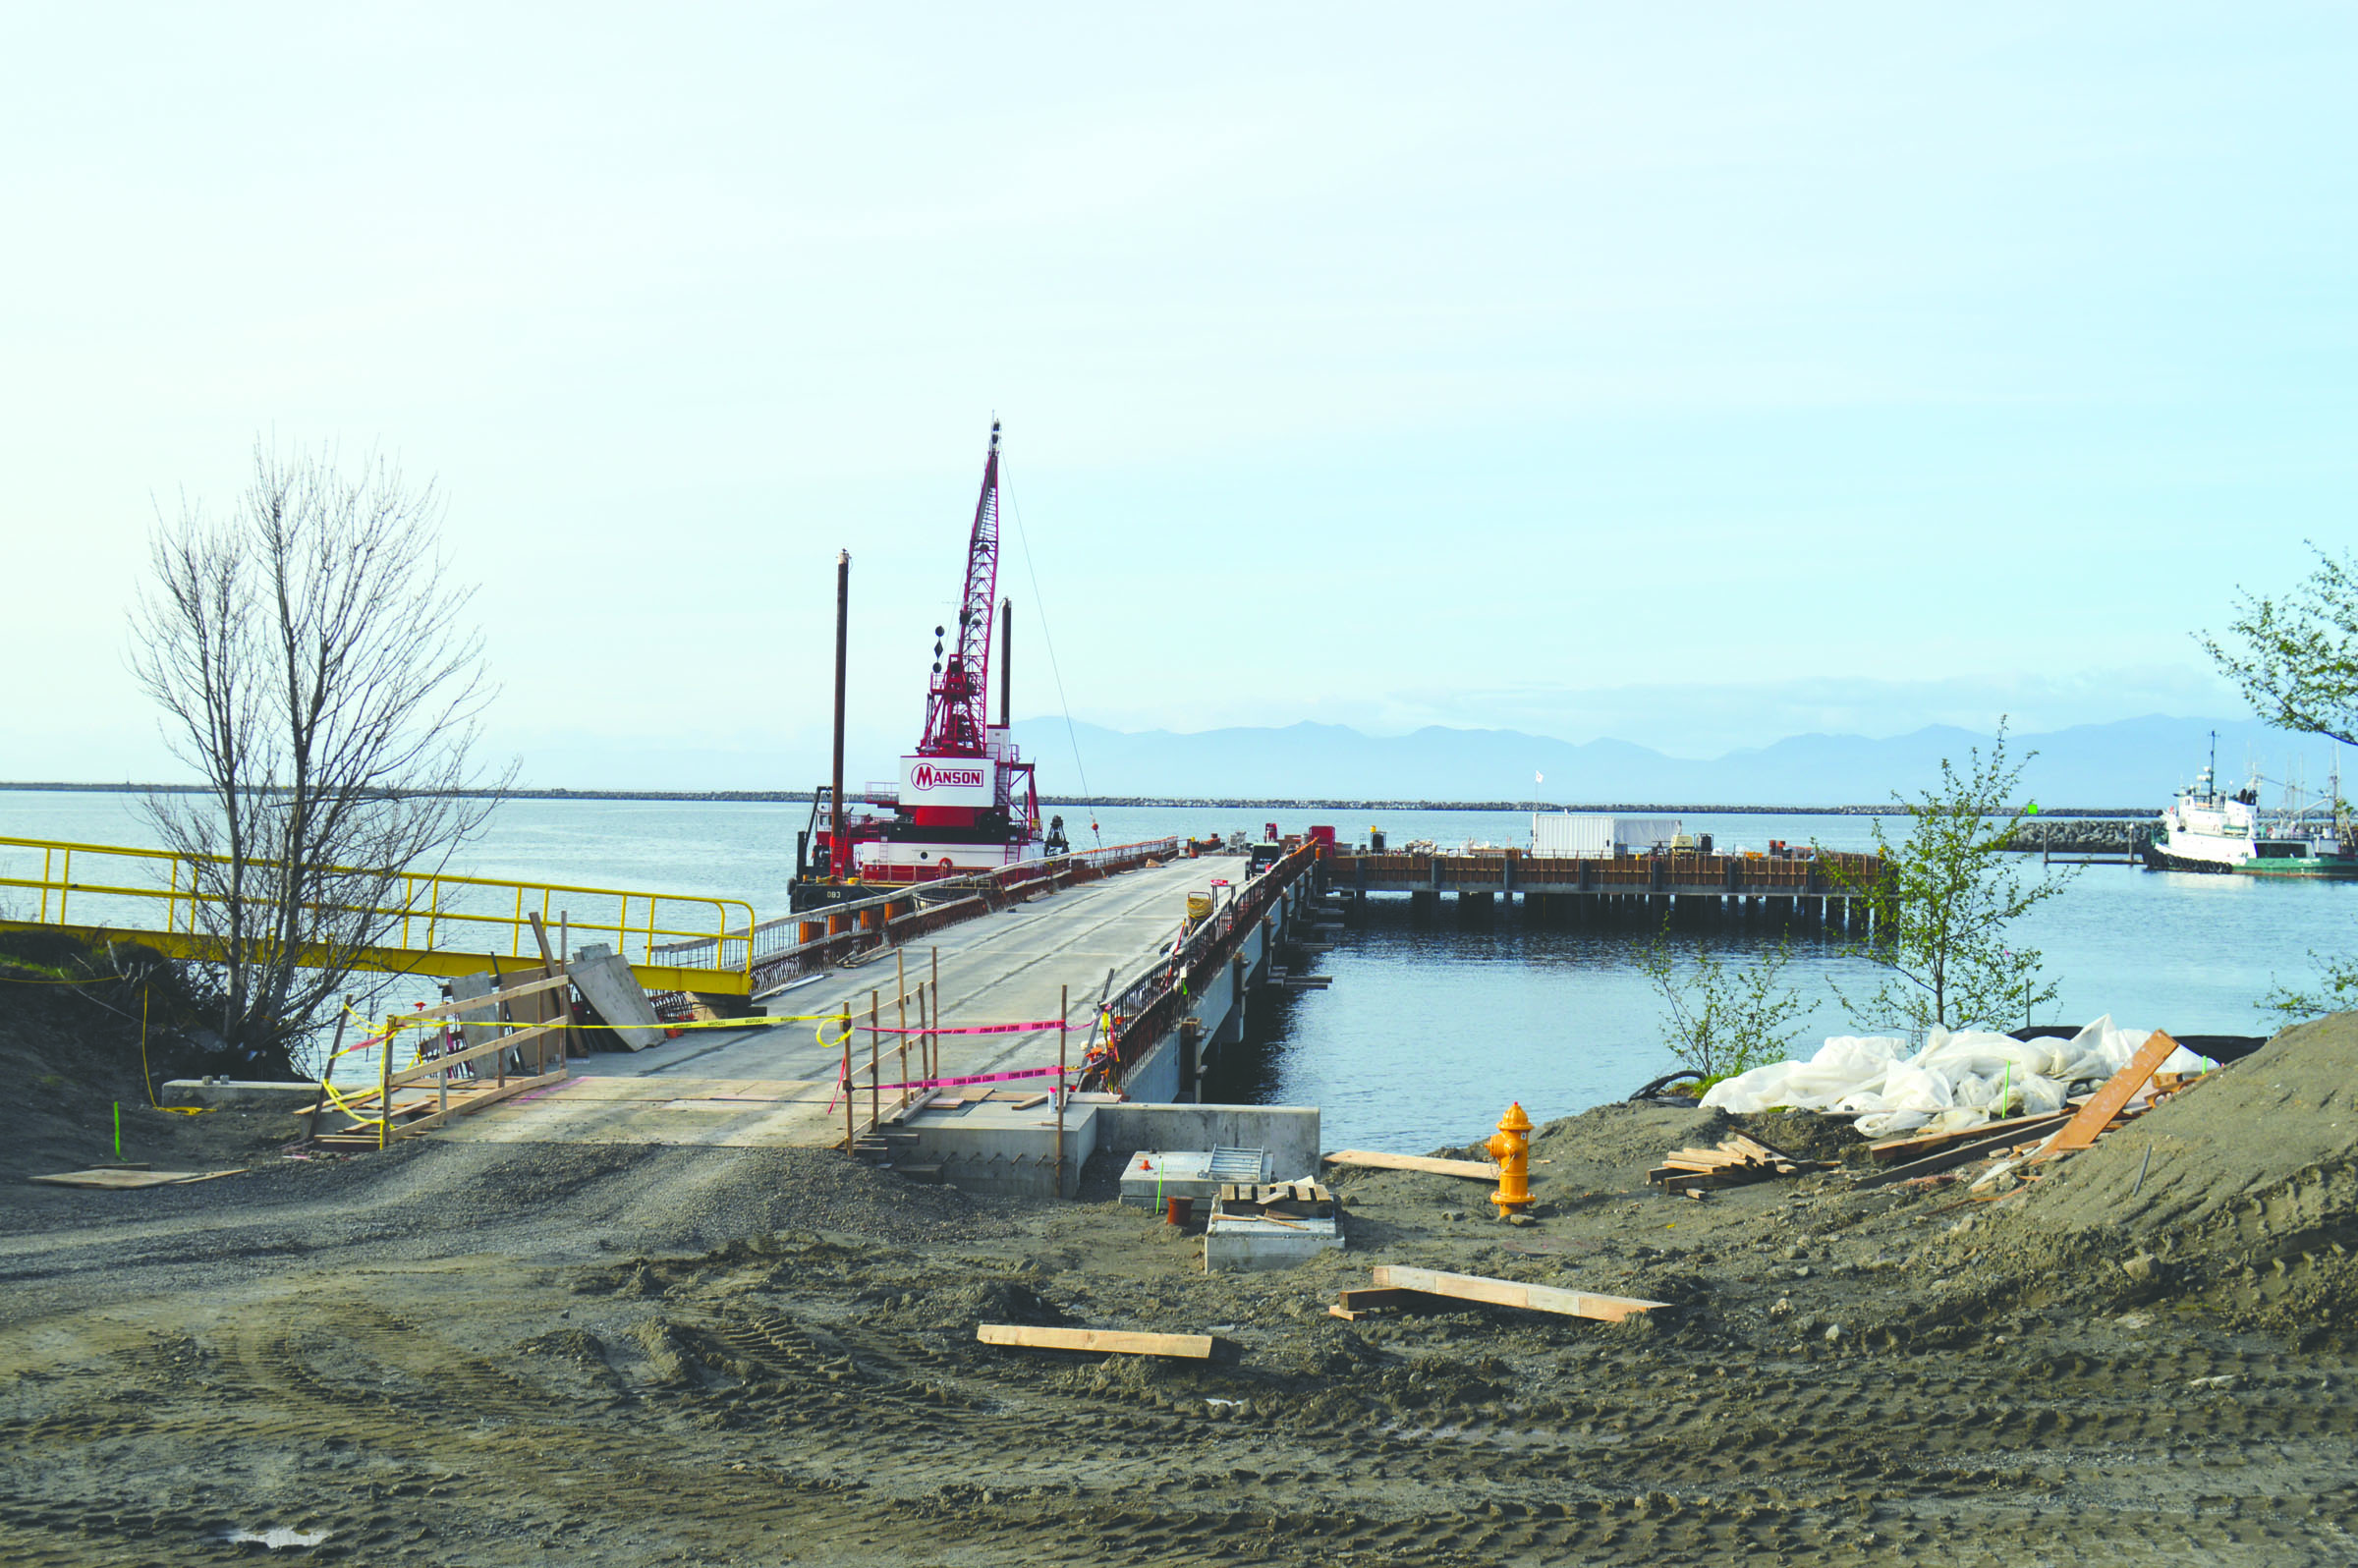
[1638,834]
[1594,835]
[1571,835]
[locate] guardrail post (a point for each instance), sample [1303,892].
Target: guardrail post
[384,1085]
[900,985]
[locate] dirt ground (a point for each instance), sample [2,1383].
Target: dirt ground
[500,1354]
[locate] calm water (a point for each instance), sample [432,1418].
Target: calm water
[1430,1029]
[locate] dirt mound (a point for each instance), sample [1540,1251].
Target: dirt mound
[2245,1188]
[71,1042]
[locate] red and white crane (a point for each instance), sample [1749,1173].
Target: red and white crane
[966,801]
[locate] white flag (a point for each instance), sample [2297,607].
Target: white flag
[1539,778]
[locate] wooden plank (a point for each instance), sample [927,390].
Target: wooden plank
[1948,1158]
[118,1178]
[1679,1181]
[1891,1148]
[428,1070]
[1480,1170]
[1358,1304]
[467,1004]
[1120,1342]
[1738,1143]
[1513,1293]
[2084,1128]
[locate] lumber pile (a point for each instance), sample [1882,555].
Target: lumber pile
[1737,1162]
[1275,1201]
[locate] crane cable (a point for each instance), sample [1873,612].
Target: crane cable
[1024,538]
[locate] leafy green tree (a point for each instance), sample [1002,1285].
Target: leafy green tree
[1942,901]
[1723,1019]
[2295,659]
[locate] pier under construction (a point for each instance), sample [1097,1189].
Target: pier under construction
[1829,888]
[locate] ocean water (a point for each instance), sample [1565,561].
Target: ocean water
[1432,1027]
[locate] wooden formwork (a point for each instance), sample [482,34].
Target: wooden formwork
[436,1090]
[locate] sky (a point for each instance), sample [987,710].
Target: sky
[1687,374]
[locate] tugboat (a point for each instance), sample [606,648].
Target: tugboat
[966,801]
[2206,830]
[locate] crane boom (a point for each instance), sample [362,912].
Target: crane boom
[958,702]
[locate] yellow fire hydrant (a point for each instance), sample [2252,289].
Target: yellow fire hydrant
[1511,1149]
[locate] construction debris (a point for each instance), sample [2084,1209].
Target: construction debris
[1269,1225]
[2028,1141]
[1738,1161]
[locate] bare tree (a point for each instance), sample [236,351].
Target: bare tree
[314,666]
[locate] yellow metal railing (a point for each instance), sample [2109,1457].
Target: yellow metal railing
[435,924]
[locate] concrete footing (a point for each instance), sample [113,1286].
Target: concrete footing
[992,1146]
[1236,1245]
[297,1096]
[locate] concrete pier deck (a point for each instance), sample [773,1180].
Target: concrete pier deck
[770,1084]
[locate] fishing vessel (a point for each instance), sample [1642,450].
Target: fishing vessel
[2205,829]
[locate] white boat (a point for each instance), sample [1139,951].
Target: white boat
[2206,830]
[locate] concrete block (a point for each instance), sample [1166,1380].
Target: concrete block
[1151,1175]
[1289,1133]
[992,1146]
[297,1096]
[1237,1244]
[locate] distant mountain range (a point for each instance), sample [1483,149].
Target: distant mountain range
[2133,762]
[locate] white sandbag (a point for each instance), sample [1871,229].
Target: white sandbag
[1958,1080]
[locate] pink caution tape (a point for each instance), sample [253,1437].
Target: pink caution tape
[940,1082]
[964,1029]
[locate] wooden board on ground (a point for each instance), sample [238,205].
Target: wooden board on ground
[2107,1102]
[1479,1170]
[1357,1304]
[1956,1154]
[1513,1293]
[1915,1144]
[1185,1347]
[119,1179]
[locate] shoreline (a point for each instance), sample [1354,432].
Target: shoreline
[1160,802]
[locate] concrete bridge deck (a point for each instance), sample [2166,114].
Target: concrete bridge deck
[770,1084]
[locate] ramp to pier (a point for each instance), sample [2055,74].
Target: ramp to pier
[772,1084]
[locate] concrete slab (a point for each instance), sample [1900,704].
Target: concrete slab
[1242,1244]
[995,1147]
[1152,1175]
[1289,1132]
[606,983]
